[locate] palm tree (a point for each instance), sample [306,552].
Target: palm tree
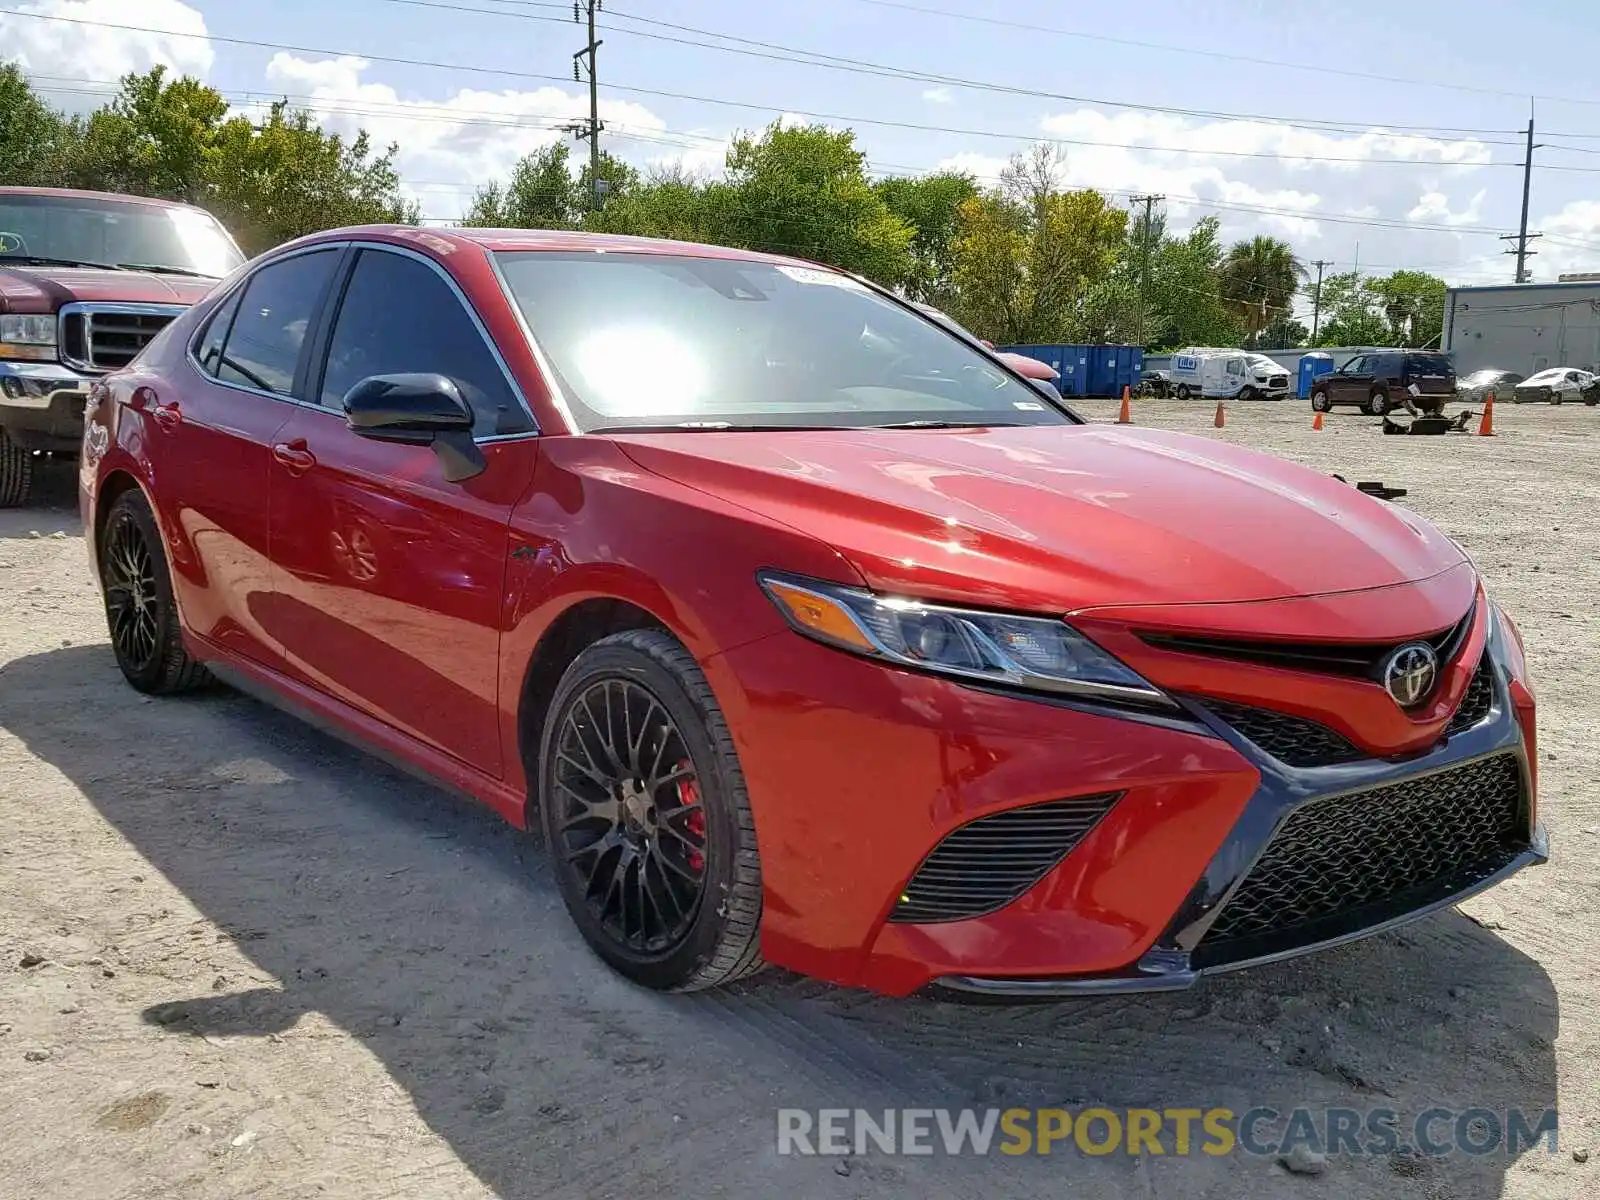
[1258,280]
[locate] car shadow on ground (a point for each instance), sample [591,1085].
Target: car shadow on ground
[433,934]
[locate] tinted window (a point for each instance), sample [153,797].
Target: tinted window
[1356,365]
[1428,364]
[400,317]
[263,346]
[210,352]
[666,339]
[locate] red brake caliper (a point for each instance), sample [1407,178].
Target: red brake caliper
[695,822]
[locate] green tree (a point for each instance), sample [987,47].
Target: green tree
[155,138]
[1258,280]
[931,205]
[1034,263]
[1349,314]
[1283,332]
[802,190]
[32,134]
[1413,304]
[288,177]
[1185,306]
[540,194]
[664,203]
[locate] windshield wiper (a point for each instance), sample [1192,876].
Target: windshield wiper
[944,425]
[711,427]
[43,260]
[165,270]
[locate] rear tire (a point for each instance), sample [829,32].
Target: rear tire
[1320,402]
[16,473]
[146,635]
[1183,392]
[663,883]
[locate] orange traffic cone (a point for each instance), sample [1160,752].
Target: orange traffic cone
[1218,420]
[1316,421]
[1123,418]
[1486,426]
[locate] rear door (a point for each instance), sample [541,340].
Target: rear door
[212,440]
[389,578]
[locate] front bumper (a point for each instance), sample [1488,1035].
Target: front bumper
[857,772]
[42,405]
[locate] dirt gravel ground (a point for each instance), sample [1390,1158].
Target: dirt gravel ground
[238,959]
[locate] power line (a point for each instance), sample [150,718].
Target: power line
[1299,68]
[774,51]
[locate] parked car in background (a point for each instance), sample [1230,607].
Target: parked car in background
[1558,385]
[86,281]
[838,647]
[1474,388]
[1223,374]
[1157,383]
[1387,379]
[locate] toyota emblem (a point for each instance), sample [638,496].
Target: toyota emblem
[1408,674]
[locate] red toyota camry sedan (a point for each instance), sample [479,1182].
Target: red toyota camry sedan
[808,631]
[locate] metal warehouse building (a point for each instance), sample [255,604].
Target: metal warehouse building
[1524,327]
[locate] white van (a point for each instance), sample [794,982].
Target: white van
[1223,374]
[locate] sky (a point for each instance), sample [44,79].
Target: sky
[1389,137]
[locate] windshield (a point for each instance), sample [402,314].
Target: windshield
[106,232]
[663,340]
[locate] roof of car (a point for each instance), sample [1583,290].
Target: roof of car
[552,240]
[79,194]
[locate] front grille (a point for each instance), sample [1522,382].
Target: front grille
[986,865]
[105,338]
[1349,862]
[1294,741]
[1477,702]
[1334,658]
[1278,381]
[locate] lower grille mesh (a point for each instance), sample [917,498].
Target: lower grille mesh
[1293,741]
[1376,854]
[986,865]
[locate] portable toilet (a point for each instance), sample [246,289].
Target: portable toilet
[1313,365]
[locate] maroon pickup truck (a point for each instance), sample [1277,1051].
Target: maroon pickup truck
[86,281]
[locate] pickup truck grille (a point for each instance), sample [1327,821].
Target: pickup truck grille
[104,337]
[1278,381]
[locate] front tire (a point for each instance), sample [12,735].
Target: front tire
[1377,404]
[646,817]
[1183,391]
[140,612]
[1320,402]
[16,473]
[1248,393]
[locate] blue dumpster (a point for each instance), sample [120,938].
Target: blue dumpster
[1089,370]
[1312,365]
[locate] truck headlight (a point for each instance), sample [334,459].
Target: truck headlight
[1041,654]
[27,336]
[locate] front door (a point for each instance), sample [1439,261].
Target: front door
[218,427]
[1351,382]
[389,578]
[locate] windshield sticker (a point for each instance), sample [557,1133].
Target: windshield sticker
[1027,405]
[821,278]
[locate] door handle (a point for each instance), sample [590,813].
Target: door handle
[168,416]
[294,457]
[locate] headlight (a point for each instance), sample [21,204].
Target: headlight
[27,336]
[1033,653]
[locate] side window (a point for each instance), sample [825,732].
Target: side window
[1355,366]
[398,317]
[209,353]
[275,310]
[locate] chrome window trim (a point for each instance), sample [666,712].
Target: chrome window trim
[244,282]
[88,308]
[477,321]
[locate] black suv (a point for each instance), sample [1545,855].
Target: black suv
[1384,379]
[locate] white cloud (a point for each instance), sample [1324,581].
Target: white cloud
[450,145]
[58,54]
[939,95]
[1434,207]
[1571,240]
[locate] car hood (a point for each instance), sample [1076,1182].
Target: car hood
[1060,518]
[45,289]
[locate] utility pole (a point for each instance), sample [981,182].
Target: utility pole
[1316,298]
[1144,266]
[1523,237]
[591,129]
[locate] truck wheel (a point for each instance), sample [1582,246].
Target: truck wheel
[1249,393]
[1320,401]
[1183,391]
[1377,404]
[16,473]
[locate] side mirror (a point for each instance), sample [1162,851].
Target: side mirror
[417,410]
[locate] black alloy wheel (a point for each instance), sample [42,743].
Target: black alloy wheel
[645,816]
[140,612]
